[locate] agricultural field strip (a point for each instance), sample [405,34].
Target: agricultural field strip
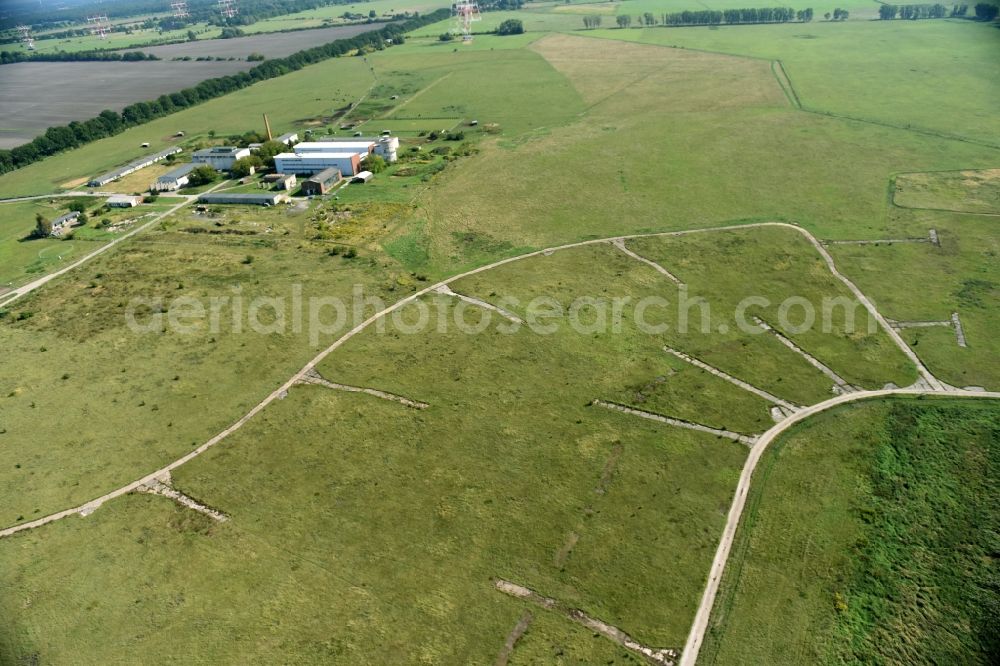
[770,397]
[696,636]
[620,244]
[812,360]
[23,290]
[927,379]
[679,423]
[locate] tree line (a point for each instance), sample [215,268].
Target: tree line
[734,16]
[984,12]
[200,10]
[109,123]
[10,57]
[711,17]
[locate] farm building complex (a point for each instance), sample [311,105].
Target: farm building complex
[132,167]
[311,157]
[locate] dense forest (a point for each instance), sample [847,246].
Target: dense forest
[109,123]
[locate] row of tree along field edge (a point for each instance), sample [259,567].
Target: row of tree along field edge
[983,11]
[109,123]
[207,11]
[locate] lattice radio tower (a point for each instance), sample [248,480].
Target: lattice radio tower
[228,8]
[466,12]
[99,25]
[180,9]
[26,36]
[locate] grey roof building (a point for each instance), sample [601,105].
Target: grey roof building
[221,157]
[247,198]
[133,166]
[174,179]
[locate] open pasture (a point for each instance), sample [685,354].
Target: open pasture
[960,275]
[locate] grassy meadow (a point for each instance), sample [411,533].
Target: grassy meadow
[961,275]
[881,558]
[934,76]
[955,191]
[364,531]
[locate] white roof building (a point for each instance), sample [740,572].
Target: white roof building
[361,148]
[124,201]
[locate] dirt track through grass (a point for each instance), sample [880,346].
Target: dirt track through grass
[926,378]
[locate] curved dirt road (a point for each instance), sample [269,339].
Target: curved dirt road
[695,638]
[697,634]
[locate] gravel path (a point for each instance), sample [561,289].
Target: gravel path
[665,656]
[735,436]
[770,397]
[839,381]
[620,244]
[506,314]
[313,377]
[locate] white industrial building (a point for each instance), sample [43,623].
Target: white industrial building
[310,157]
[174,179]
[386,146]
[220,158]
[361,148]
[288,139]
[124,201]
[310,163]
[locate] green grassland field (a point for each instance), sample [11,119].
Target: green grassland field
[364,530]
